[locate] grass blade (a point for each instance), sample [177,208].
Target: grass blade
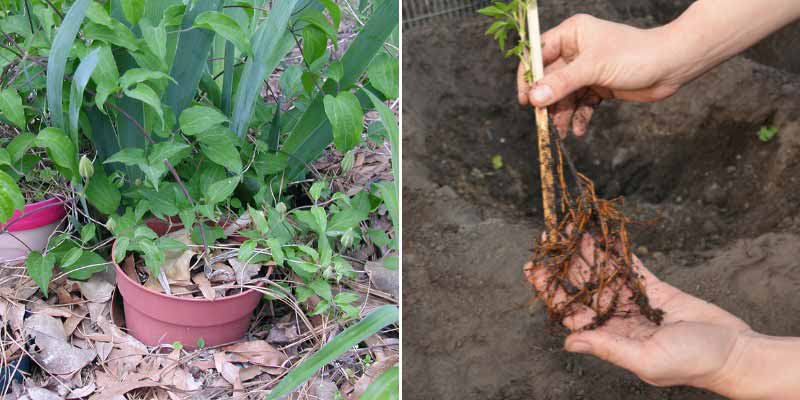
[313,132]
[271,42]
[79,81]
[190,58]
[57,60]
[372,323]
[227,78]
[390,123]
[386,387]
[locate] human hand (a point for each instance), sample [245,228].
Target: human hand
[692,346]
[588,59]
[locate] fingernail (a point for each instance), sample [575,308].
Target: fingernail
[578,347]
[541,94]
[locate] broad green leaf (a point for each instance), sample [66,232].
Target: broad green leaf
[345,298]
[335,71]
[79,81]
[11,107]
[128,157]
[133,10]
[226,27]
[320,219]
[98,14]
[59,148]
[105,76]
[371,324]
[321,307]
[10,197]
[118,34]
[384,74]
[57,60]
[271,43]
[153,256]
[196,119]
[71,257]
[219,145]
[346,219]
[166,151]
[155,37]
[5,157]
[221,190]
[88,232]
[40,269]
[344,112]
[190,57]
[316,189]
[145,94]
[139,75]
[18,146]
[276,250]
[334,10]
[314,43]
[322,288]
[315,18]
[121,249]
[84,267]
[386,387]
[246,250]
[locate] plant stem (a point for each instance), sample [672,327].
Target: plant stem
[542,126]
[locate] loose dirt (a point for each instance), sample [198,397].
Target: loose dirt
[730,231]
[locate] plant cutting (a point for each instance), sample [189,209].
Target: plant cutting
[195,187]
[605,281]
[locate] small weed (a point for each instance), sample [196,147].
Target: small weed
[497,161]
[767,133]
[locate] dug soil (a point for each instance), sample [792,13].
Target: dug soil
[730,227]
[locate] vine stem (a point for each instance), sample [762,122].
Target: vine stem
[542,125]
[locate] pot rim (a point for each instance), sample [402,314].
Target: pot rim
[36,215]
[124,276]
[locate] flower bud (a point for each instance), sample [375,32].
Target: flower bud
[85,167]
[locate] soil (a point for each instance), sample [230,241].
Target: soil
[729,232]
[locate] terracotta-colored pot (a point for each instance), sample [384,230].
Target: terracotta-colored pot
[30,229]
[157,318]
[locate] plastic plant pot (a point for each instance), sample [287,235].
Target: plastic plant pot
[30,229]
[14,370]
[156,318]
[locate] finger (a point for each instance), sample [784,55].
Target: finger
[561,82]
[522,85]
[579,317]
[616,349]
[560,41]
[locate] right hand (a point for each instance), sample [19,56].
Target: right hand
[588,59]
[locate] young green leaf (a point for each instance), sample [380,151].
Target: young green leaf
[197,119]
[10,197]
[139,75]
[40,269]
[344,112]
[85,266]
[259,221]
[121,248]
[314,43]
[226,27]
[153,256]
[345,298]
[19,145]
[246,250]
[322,288]
[145,94]
[133,10]
[219,145]
[88,232]
[276,250]
[371,324]
[105,76]
[59,148]
[155,37]
[57,60]
[11,107]
[384,74]
[221,190]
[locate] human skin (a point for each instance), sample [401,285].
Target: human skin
[589,59]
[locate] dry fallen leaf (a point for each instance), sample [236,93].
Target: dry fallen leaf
[204,285]
[244,271]
[228,371]
[257,352]
[178,262]
[373,372]
[82,392]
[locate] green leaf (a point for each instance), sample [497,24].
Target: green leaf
[227,78]
[79,81]
[271,43]
[10,197]
[146,95]
[226,27]
[335,71]
[128,157]
[765,134]
[88,232]
[378,237]
[190,58]
[57,60]
[117,34]
[345,298]
[85,266]
[155,37]
[259,221]
[276,251]
[59,148]
[18,146]
[315,18]
[334,10]
[5,157]
[390,123]
[11,107]
[371,324]
[153,256]
[139,75]
[166,151]
[221,190]
[314,43]
[246,250]
[321,307]
[344,112]
[346,219]
[386,387]
[219,145]
[133,10]
[384,74]
[322,288]
[105,76]
[71,257]
[316,190]
[196,119]
[388,191]
[121,249]
[40,269]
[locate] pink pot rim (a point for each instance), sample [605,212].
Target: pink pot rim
[122,275]
[36,215]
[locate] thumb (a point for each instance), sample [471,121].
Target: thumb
[616,349]
[561,82]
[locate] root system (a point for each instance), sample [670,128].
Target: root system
[605,280]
